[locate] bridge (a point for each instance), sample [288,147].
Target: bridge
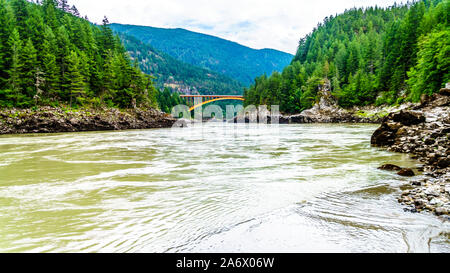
[199,100]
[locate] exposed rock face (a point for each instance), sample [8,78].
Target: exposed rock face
[55,120]
[423,131]
[326,110]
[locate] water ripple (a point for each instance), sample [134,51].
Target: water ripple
[233,188]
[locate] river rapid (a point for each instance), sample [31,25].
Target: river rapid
[215,188]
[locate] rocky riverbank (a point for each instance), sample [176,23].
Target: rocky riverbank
[56,120]
[423,131]
[327,110]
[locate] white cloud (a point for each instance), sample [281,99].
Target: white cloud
[277,24]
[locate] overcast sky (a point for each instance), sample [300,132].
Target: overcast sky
[277,24]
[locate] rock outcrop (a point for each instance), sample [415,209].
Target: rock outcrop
[424,132]
[56,120]
[327,110]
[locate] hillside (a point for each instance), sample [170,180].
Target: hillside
[370,56]
[234,60]
[176,75]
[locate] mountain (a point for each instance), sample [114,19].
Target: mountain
[177,75]
[229,58]
[369,56]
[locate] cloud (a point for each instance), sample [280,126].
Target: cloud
[256,23]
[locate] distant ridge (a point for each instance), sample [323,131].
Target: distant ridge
[177,75]
[223,56]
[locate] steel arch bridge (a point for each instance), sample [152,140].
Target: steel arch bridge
[199,100]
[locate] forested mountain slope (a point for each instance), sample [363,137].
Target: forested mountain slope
[232,59]
[176,75]
[50,56]
[370,56]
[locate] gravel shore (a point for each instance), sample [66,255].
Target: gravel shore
[424,132]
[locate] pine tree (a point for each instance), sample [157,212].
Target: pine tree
[36,28]
[107,37]
[49,65]
[48,56]
[108,78]
[62,54]
[50,18]
[63,5]
[28,70]
[20,10]
[75,80]
[5,50]
[14,71]
[75,11]
[433,69]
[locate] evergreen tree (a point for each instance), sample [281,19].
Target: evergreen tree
[16,66]
[75,80]
[432,71]
[49,65]
[107,37]
[5,50]
[20,11]
[63,5]
[51,56]
[75,11]
[29,66]
[373,55]
[50,18]
[62,54]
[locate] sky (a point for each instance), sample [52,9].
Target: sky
[277,24]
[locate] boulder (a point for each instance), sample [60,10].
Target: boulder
[390,167]
[445,91]
[442,211]
[408,118]
[441,101]
[443,163]
[406,172]
[384,136]
[298,119]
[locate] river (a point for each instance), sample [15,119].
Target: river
[219,188]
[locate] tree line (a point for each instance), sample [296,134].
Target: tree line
[370,56]
[49,55]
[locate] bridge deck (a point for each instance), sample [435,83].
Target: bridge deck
[196,101]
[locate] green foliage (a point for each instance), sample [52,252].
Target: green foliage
[309,92]
[176,75]
[433,67]
[374,55]
[225,57]
[53,57]
[167,100]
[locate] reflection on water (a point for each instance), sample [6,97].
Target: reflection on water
[236,188]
